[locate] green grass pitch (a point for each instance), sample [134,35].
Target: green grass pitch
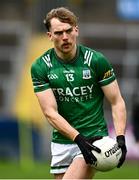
[130,170]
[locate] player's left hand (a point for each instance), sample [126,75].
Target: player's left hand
[122,145]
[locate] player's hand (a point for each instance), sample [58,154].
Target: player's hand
[86,147]
[122,145]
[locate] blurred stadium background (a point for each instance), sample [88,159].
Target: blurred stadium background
[110,26]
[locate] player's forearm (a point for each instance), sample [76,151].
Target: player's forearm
[119,117]
[59,123]
[48,105]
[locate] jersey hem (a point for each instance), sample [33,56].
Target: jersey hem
[63,141]
[60,141]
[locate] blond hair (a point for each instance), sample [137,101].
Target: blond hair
[62,14]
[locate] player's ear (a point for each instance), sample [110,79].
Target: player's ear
[77,30]
[49,34]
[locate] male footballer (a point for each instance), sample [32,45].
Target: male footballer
[70,82]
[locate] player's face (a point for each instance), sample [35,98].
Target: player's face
[63,36]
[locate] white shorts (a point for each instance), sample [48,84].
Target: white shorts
[62,156]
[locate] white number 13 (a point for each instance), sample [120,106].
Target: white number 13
[69,77]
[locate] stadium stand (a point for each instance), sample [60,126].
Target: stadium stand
[37,45]
[12,49]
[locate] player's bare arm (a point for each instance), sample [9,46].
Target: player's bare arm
[113,95]
[49,107]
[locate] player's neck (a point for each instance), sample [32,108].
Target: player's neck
[67,57]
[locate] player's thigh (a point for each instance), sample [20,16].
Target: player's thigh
[79,170]
[58,176]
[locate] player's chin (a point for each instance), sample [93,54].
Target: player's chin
[66,50]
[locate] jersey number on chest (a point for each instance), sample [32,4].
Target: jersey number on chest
[70,77]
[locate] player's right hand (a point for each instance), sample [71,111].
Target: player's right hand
[86,147]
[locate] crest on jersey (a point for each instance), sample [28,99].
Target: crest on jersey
[86,74]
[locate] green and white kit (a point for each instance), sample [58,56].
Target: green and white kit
[77,88]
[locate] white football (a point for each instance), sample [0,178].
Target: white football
[110,154]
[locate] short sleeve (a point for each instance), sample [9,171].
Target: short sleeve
[39,77]
[105,72]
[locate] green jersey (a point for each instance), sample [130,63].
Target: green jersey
[77,89]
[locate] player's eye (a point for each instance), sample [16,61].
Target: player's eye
[69,30]
[58,33]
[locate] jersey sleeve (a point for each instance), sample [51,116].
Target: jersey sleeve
[105,72]
[39,77]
